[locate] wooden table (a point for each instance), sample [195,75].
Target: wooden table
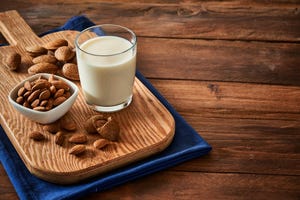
[230,68]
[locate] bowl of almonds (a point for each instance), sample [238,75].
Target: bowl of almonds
[43,97]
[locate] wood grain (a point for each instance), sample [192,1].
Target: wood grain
[222,56]
[228,20]
[208,45]
[146,125]
[216,186]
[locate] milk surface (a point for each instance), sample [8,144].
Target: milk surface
[107,80]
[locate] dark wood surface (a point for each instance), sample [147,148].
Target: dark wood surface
[230,68]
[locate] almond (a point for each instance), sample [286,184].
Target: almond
[35,50]
[93,123]
[55,44]
[26,104]
[35,103]
[33,96]
[68,125]
[110,130]
[27,85]
[59,84]
[44,103]
[40,85]
[49,105]
[59,138]
[36,135]
[70,71]
[77,149]
[78,138]
[59,93]
[13,61]
[43,68]
[20,100]
[45,58]
[100,143]
[27,94]
[59,100]
[52,89]
[22,91]
[44,95]
[64,54]
[52,128]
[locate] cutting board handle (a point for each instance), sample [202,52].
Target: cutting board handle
[15,30]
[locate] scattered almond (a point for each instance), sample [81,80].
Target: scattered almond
[59,138]
[55,44]
[64,54]
[110,130]
[35,50]
[13,61]
[52,128]
[77,149]
[78,138]
[93,123]
[100,143]
[36,135]
[70,71]
[45,58]
[43,67]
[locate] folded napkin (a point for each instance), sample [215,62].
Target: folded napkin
[187,144]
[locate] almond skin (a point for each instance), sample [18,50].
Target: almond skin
[43,68]
[35,50]
[22,91]
[59,138]
[93,123]
[55,44]
[78,138]
[100,143]
[36,135]
[45,58]
[77,149]
[110,130]
[44,95]
[40,85]
[52,128]
[68,125]
[70,71]
[64,54]
[58,84]
[59,100]
[27,85]
[33,96]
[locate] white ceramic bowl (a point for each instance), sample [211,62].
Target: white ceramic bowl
[44,117]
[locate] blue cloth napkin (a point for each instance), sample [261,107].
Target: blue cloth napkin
[187,144]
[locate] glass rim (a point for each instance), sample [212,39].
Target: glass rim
[102,25]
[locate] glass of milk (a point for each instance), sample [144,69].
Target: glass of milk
[106,58]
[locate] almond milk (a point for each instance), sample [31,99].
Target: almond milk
[106,67]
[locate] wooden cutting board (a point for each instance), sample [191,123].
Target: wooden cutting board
[146,125]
